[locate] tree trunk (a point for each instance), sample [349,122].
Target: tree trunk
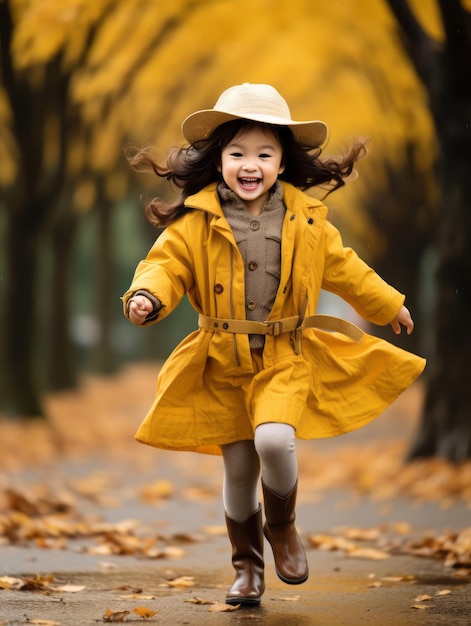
[105,360]
[445,70]
[61,362]
[20,317]
[446,425]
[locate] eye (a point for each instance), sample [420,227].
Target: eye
[264,155]
[236,154]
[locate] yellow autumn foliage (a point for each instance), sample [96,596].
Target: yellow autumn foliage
[139,67]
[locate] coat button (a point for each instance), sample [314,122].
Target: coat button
[218,288]
[251,305]
[254,225]
[292,217]
[252,266]
[310,221]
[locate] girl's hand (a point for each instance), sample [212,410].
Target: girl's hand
[404,318]
[139,308]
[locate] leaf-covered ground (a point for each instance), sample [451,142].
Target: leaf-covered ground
[40,507]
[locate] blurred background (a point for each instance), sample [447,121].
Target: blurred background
[80,80]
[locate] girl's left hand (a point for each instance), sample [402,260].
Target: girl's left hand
[404,318]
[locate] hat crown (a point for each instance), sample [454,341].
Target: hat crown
[252,99]
[257,103]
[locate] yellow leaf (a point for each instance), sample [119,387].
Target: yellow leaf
[443,592]
[421,607]
[423,598]
[183,581]
[8,582]
[368,553]
[200,601]
[143,611]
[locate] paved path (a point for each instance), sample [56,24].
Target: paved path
[341,590]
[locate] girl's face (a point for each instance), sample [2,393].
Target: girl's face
[250,165]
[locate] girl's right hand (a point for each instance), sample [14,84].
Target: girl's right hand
[139,308]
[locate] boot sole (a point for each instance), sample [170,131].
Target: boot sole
[291,581]
[243,601]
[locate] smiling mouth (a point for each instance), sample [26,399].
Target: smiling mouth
[249,183]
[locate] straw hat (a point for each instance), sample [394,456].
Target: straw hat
[260,103]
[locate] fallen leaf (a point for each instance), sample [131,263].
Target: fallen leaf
[419,606]
[186,538]
[144,612]
[114,616]
[368,553]
[329,542]
[423,598]
[169,552]
[443,592]
[200,601]
[362,534]
[8,582]
[182,581]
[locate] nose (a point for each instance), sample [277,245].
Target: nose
[249,166]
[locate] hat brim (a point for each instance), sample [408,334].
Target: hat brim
[200,125]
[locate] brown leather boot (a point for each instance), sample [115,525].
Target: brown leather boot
[280,531]
[247,559]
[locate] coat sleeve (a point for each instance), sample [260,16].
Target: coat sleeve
[347,276]
[167,271]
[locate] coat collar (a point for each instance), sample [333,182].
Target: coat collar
[295,200]
[206,200]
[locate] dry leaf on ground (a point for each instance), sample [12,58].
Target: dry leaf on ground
[144,612]
[199,601]
[115,616]
[182,581]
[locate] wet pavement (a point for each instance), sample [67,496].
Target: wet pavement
[340,590]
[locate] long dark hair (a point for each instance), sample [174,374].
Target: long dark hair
[191,168]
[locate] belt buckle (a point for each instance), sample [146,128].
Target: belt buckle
[274,327]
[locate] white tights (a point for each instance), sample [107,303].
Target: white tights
[274,449]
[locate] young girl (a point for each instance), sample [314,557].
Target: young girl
[252,251]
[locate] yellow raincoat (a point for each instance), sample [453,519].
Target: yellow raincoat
[208,392]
